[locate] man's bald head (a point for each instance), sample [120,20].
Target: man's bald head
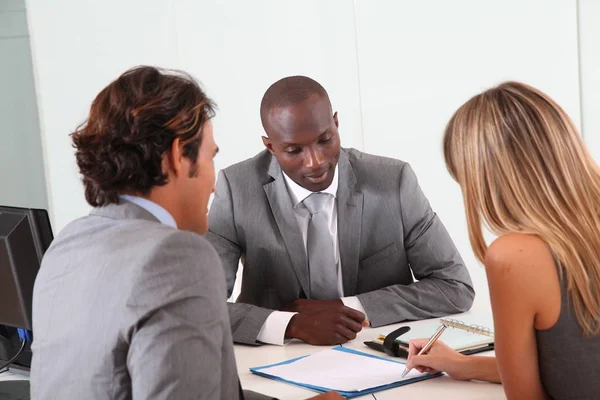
[287,92]
[302,131]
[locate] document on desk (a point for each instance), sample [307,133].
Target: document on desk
[350,372]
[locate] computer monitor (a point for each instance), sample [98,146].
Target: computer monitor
[25,235]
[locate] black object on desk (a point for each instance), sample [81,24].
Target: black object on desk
[390,346]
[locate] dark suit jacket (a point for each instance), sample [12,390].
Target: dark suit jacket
[386,230]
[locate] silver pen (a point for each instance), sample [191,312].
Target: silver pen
[428,345]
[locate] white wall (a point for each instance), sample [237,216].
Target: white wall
[78,48]
[22,180]
[417,67]
[589,56]
[395,70]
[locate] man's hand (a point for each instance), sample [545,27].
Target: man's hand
[328,396]
[305,306]
[324,322]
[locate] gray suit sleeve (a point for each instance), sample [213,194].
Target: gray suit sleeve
[250,395]
[175,349]
[246,319]
[444,285]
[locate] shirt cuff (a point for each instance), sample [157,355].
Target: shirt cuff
[354,302]
[273,330]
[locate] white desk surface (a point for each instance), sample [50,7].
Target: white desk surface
[14,375]
[248,356]
[442,387]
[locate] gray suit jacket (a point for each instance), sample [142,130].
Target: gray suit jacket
[386,228]
[125,307]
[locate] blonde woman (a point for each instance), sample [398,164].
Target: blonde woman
[525,173]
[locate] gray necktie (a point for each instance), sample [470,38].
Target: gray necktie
[319,245]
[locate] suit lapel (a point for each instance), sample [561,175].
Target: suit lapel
[281,206]
[350,209]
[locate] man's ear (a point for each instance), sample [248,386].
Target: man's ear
[175,158]
[268,144]
[335,119]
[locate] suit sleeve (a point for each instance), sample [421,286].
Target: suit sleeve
[250,395]
[443,284]
[176,346]
[246,319]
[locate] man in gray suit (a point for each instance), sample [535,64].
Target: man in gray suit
[130,301]
[328,236]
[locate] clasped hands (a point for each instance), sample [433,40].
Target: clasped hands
[324,322]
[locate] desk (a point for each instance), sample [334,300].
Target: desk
[441,388]
[14,375]
[248,356]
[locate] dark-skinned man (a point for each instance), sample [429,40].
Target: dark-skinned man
[328,236]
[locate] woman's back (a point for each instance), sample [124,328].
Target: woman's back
[568,361]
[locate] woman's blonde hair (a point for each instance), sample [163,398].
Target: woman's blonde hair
[523,167]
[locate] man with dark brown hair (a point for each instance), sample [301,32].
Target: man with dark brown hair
[124,305]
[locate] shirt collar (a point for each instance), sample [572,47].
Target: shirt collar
[162,215]
[298,193]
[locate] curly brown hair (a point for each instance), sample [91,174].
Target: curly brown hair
[132,123]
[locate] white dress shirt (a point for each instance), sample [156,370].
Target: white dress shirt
[273,330]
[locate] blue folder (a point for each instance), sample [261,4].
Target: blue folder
[258,371]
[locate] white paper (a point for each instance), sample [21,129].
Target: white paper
[341,371]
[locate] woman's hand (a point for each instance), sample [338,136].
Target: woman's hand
[439,358]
